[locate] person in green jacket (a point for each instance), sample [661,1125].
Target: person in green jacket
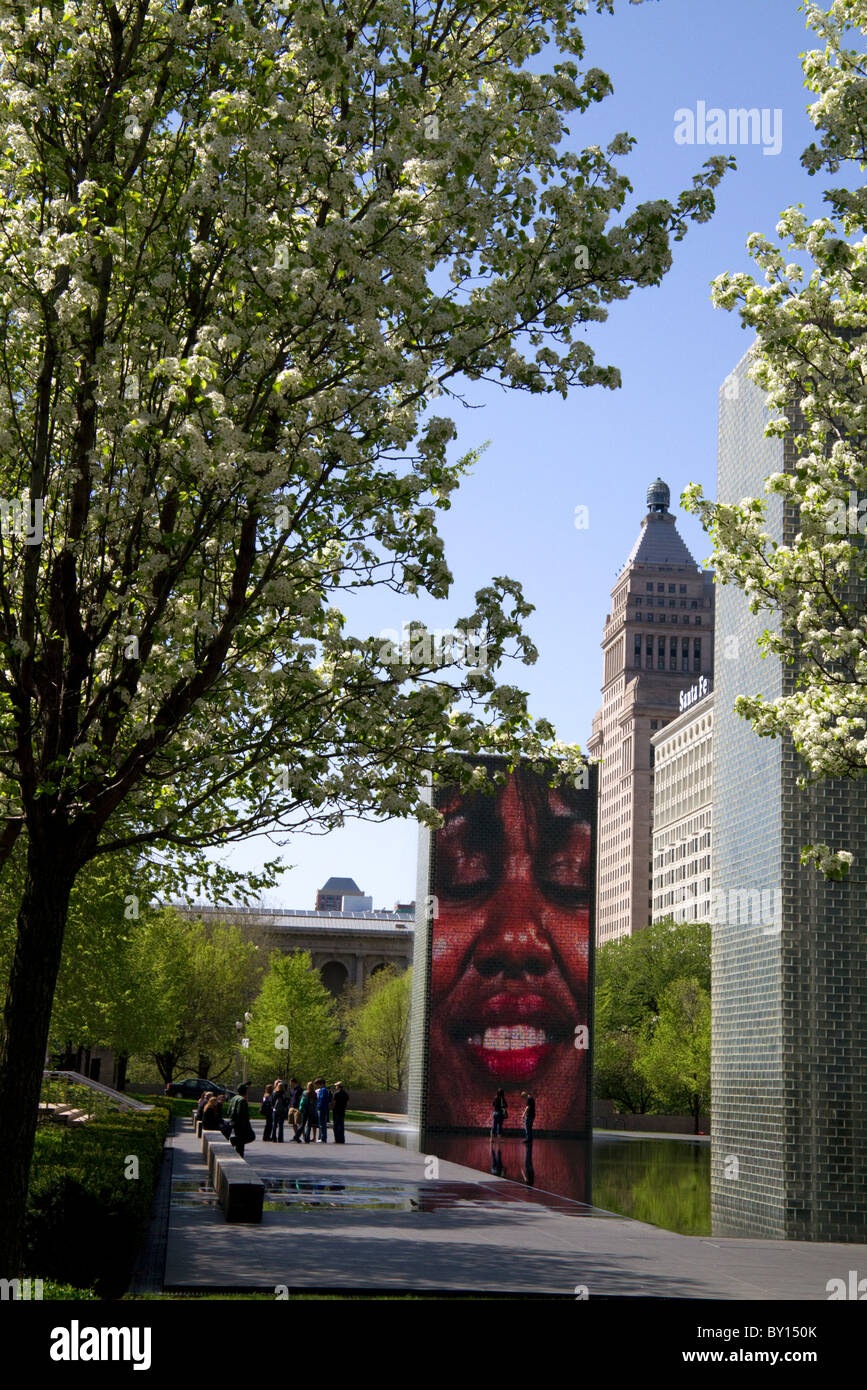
[239,1114]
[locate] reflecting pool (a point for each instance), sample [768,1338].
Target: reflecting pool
[665,1182]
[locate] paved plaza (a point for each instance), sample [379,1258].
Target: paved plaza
[367,1215]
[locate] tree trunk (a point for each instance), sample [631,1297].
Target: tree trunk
[29,997]
[120,1071]
[166,1063]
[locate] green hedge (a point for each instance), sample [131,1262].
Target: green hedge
[86,1208]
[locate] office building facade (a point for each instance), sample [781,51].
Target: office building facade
[683,810]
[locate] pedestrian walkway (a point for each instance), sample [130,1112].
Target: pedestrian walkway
[368,1215]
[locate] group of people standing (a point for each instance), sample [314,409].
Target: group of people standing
[307,1108]
[501,1113]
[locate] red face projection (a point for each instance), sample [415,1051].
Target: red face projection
[510,958]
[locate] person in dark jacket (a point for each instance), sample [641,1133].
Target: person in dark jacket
[323,1106]
[341,1100]
[267,1109]
[239,1114]
[200,1108]
[212,1116]
[281,1110]
[308,1112]
[500,1113]
[529,1115]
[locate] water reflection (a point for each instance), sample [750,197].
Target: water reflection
[665,1182]
[561,1166]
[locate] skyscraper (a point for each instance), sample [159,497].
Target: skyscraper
[658,639]
[789,997]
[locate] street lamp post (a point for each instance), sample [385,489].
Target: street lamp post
[245,1043]
[239,1028]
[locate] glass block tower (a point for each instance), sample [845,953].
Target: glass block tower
[658,641]
[789,1053]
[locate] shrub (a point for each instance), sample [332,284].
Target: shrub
[88,1205]
[53,1290]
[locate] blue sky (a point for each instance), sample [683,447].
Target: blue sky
[515,515]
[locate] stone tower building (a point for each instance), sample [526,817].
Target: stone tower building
[658,639]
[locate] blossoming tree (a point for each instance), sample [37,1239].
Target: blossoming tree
[810,357]
[242,249]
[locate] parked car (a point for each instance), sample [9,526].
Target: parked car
[195,1086]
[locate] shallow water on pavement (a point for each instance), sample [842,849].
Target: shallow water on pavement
[664,1182]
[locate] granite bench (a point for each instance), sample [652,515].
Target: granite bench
[219,1147]
[240,1191]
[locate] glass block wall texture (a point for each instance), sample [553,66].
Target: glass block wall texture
[789,1057]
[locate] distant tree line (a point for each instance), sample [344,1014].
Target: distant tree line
[165,992]
[652,1030]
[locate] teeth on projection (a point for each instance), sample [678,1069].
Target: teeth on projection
[513,1038]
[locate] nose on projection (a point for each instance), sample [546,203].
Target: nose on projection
[512,951]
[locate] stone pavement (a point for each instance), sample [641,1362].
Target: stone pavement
[365,1216]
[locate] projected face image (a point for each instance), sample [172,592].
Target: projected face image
[510,955]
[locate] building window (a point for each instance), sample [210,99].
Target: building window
[650,588]
[639,599]
[672,603]
[684,654]
[683,588]
[672,655]
[660,653]
[694,603]
[637,659]
[697,618]
[650,617]
[686,617]
[648,654]
[639,617]
[654,723]
[673,618]
[696,654]
[660,603]
[672,588]
[660,588]
[683,603]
